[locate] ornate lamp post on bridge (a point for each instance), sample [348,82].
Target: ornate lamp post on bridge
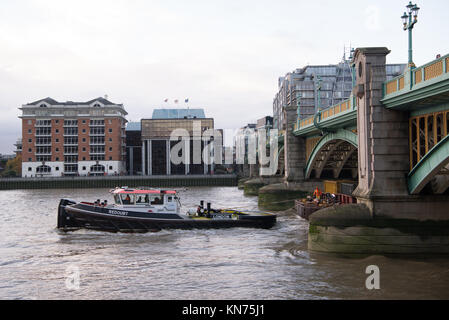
[412,10]
[298,109]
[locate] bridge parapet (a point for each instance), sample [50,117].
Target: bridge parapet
[423,81]
[333,116]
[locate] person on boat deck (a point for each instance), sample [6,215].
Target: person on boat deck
[127,199]
[317,193]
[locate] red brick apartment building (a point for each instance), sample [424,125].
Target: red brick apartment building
[73,138]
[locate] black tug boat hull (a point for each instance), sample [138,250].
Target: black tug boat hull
[73,216]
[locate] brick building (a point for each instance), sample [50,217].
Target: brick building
[73,138]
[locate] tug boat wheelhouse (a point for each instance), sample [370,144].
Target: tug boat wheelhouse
[148,209]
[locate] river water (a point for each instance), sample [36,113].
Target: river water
[36,260]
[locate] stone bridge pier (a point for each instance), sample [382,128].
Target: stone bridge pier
[383,153]
[294,149]
[390,216]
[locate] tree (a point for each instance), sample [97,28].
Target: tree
[13,167]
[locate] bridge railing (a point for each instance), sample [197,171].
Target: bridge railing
[330,112]
[417,76]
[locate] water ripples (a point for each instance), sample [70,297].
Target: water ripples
[188,264]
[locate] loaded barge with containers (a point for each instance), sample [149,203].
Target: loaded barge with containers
[149,209]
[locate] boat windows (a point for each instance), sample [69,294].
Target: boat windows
[156,199]
[169,199]
[117,199]
[142,199]
[127,198]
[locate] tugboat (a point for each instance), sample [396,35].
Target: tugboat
[149,209]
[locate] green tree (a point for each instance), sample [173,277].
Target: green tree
[13,167]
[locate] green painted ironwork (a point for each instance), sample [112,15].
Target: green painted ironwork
[340,134]
[418,84]
[428,166]
[337,120]
[412,12]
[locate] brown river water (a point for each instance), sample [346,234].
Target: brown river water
[36,259]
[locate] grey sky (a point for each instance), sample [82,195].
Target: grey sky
[225,56]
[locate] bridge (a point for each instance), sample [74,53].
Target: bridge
[391,136]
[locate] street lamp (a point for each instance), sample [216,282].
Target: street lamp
[298,104]
[298,108]
[412,11]
[318,89]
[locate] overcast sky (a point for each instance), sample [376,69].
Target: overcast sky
[225,56]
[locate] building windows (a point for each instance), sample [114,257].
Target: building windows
[96,122]
[30,131]
[29,168]
[30,122]
[110,158]
[70,168]
[43,150]
[84,130]
[96,149]
[97,157]
[70,123]
[30,140]
[30,159]
[43,158]
[70,159]
[110,167]
[110,130]
[110,148]
[43,141]
[43,123]
[97,168]
[57,159]
[71,140]
[84,159]
[70,149]
[70,131]
[43,169]
[96,130]
[97,140]
[43,131]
